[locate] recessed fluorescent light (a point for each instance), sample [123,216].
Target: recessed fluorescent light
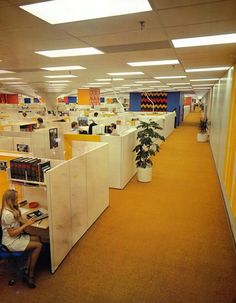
[159,86]
[103,83]
[59,68]
[213,79]
[151,81]
[61,76]
[203,85]
[111,79]
[207,40]
[207,69]
[150,63]
[15,83]
[70,52]
[3,71]
[58,81]
[201,88]
[62,11]
[183,87]
[171,77]
[178,83]
[129,85]
[10,78]
[125,73]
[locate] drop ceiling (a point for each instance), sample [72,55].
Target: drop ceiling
[121,38]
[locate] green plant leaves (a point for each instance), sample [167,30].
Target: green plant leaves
[147,147]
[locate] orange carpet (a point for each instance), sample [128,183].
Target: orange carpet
[167,241]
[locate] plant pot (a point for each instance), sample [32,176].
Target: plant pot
[202,137]
[144,174]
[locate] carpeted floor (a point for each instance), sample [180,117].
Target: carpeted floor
[167,241]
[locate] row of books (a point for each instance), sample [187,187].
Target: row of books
[31,169]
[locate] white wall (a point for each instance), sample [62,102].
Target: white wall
[218,115]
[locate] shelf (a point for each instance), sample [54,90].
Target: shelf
[28,182]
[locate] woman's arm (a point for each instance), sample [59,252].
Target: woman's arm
[15,231]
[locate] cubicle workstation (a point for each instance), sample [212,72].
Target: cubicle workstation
[165,120]
[45,142]
[120,153]
[73,200]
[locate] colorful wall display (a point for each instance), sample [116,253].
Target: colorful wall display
[94,95]
[154,101]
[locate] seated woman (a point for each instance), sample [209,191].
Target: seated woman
[13,236]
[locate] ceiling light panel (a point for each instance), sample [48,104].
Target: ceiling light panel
[203,84]
[58,81]
[153,63]
[2,71]
[63,11]
[61,76]
[103,83]
[200,80]
[207,69]
[125,73]
[184,83]
[70,52]
[171,77]
[147,81]
[207,40]
[60,68]
[111,79]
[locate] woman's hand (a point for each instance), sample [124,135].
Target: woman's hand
[30,221]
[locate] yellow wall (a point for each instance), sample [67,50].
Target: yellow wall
[4,182]
[230,154]
[83,96]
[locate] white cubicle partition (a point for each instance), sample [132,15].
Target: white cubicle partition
[121,157]
[187,109]
[38,142]
[6,143]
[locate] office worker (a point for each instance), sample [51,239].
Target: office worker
[13,236]
[74,126]
[91,125]
[40,123]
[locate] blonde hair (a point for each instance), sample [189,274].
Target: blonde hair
[9,201]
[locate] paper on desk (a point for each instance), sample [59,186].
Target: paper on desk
[24,210]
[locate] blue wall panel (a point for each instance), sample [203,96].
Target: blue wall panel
[173,103]
[72,99]
[135,102]
[27,100]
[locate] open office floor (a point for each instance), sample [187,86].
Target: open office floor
[165,242]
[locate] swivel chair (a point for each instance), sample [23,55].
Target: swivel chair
[8,256]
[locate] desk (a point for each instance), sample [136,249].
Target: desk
[39,228]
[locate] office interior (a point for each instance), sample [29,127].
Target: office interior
[120,240]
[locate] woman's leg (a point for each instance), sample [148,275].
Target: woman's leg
[27,265]
[35,247]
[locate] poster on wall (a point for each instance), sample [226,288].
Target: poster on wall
[22,148]
[53,137]
[3,165]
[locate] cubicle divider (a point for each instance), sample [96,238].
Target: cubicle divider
[45,142]
[74,192]
[121,156]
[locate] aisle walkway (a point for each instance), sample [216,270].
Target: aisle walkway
[167,241]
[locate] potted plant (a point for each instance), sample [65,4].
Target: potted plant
[147,147]
[202,136]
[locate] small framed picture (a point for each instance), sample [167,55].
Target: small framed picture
[3,165]
[53,137]
[22,148]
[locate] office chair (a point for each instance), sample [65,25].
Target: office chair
[8,256]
